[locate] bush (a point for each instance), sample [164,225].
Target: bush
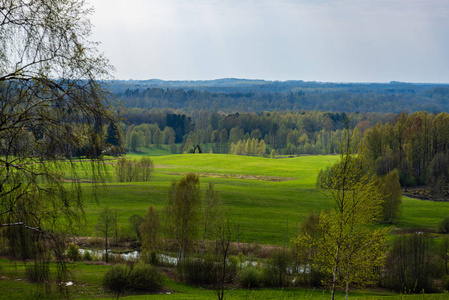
[37,272]
[443,227]
[410,265]
[249,278]
[116,278]
[87,256]
[73,252]
[142,278]
[145,278]
[199,271]
[275,272]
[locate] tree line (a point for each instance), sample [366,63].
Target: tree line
[393,98]
[288,133]
[417,145]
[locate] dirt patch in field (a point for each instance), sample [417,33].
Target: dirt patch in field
[161,166]
[239,176]
[423,193]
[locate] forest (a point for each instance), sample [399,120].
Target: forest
[231,96]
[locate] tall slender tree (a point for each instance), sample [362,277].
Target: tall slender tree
[182,212]
[347,247]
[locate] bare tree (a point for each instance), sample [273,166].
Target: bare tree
[226,234]
[106,226]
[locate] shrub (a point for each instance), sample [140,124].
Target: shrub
[116,278]
[145,278]
[410,266]
[249,278]
[199,271]
[87,256]
[443,227]
[73,252]
[142,278]
[275,272]
[37,272]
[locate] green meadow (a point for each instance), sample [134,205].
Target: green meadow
[267,197]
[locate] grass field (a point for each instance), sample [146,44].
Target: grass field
[253,190]
[266,197]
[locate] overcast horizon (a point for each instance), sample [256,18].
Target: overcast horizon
[325,41]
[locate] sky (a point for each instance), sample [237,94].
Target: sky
[310,40]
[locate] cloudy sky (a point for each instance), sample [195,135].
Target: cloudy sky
[311,40]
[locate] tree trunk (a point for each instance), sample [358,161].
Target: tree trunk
[347,289]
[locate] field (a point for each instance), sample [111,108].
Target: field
[268,198]
[253,190]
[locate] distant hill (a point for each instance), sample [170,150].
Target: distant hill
[255,95]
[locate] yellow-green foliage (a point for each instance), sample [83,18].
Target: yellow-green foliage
[252,147]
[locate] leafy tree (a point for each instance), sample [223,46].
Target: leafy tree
[120,169]
[135,220]
[147,166]
[348,249]
[135,141]
[113,135]
[150,231]
[106,226]
[129,170]
[438,175]
[443,226]
[157,138]
[182,212]
[212,213]
[51,109]
[391,193]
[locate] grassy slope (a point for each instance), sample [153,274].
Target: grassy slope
[261,207]
[250,202]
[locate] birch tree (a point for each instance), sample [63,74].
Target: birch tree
[348,248]
[52,108]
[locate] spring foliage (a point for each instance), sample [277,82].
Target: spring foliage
[347,248]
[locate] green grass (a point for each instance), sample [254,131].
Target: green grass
[87,280]
[250,193]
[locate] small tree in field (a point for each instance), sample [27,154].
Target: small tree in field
[225,235]
[135,220]
[182,212]
[212,214]
[106,225]
[391,193]
[150,231]
[146,168]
